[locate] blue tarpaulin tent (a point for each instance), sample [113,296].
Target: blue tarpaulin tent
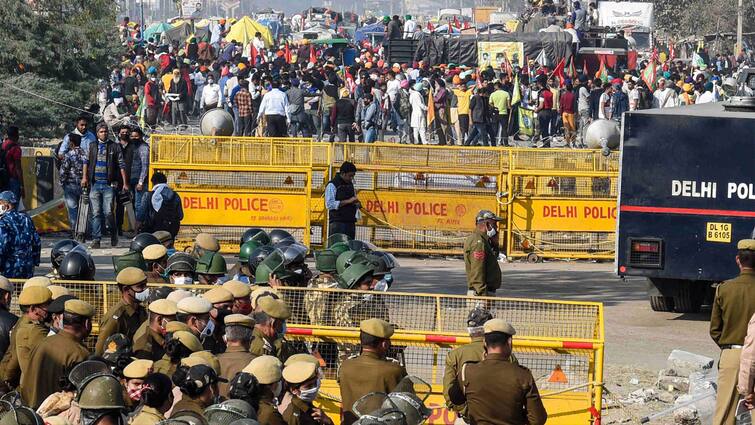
[155,30]
[274,26]
[369,30]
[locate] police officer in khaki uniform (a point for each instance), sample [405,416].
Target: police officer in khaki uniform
[267,371]
[495,390]
[149,339]
[303,386]
[270,328]
[195,313]
[7,319]
[203,243]
[181,345]
[222,302]
[26,334]
[370,371]
[242,302]
[53,357]
[733,306]
[157,399]
[133,377]
[481,256]
[128,314]
[238,337]
[319,304]
[156,259]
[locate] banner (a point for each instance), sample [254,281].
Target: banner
[526,121]
[568,215]
[245,209]
[625,14]
[492,53]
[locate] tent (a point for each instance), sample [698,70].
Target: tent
[178,33]
[203,23]
[367,31]
[273,25]
[243,32]
[155,30]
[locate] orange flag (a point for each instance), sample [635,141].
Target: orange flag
[430,108]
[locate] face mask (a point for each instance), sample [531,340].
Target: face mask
[491,231]
[209,328]
[210,81]
[182,280]
[153,79]
[381,286]
[310,395]
[142,296]
[118,101]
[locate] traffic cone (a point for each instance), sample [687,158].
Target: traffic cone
[558,376]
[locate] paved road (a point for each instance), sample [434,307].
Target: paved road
[635,335]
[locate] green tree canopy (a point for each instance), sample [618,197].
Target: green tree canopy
[57,49]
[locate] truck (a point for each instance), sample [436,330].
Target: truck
[686,197]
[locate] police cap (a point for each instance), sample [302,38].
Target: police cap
[131,276]
[208,357]
[176,326]
[267,369]
[376,327]
[207,242]
[218,295]
[263,292]
[177,295]
[487,215]
[164,307]
[57,305]
[188,339]
[154,252]
[37,281]
[79,307]
[56,291]
[239,320]
[34,295]
[194,305]
[498,325]
[277,309]
[746,244]
[238,289]
[138,369]
[5,284]
[299,372]
[302,357]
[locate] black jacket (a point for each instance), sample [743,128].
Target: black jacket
[114,161]
[478,109]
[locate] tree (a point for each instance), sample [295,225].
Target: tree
[57,49]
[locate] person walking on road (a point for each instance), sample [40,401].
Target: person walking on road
[481,256]
[733,307]
[341,202]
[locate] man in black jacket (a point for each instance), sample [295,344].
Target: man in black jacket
[104,169]
[395,29]
[478,114]
[341,202]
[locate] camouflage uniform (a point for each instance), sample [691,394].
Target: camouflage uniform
[318,303]
[20,245]
[350,310]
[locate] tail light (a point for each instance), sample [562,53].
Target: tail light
[646,253]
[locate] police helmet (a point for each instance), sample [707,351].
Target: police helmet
[325,260]
[283,243]
[226,413]
[339,248]
[272,264]
[294,253]
[129,259]
[355,274]
[278,235]
[255,234]
[258,255]
[77,265]
[181,262]
[143,240]
[247,248]
[413,409]
[383,261]
[211,263]
[101,392]
[357,245]
[336,238]
[60,249]
[478,316]
[348,258]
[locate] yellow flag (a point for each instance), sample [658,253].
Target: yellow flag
[430,108]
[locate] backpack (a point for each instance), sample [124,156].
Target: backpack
[166,219]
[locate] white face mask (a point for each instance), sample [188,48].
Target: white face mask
[182,280]
[491,231]
[309,395]
[142,296]
[209,328]
[118,101]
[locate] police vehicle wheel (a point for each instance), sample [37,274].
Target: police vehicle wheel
[533,258]
[688,299]
[661,303]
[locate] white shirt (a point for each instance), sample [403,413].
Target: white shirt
[583,99]
[392,88]
[605,106]
[634,99]
[706,97]
[210,95]
[274,102]
[229,86]
[409,27]
[258,44]
[574,36]
[665,98]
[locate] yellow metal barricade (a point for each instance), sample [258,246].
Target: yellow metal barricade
[561,342]
[415,198]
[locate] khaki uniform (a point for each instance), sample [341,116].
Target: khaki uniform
[733,306]
[50,360]
[24,337]
[499,392]
[262,347]
[481,264]
[299,412]
[231,362]
[267,413]
[318,304]
[121,318]
[147,343]
[456,358]
[364,374]
[164,366]
[188,407]
[350,310]
[147,416]
[746,381]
